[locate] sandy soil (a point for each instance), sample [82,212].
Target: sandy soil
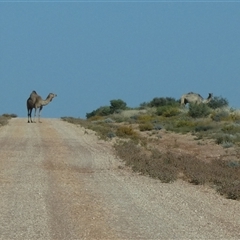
[59,181]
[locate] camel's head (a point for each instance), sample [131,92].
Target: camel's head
[210,96]
[51,96]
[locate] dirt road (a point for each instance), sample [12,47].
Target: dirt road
[59,182]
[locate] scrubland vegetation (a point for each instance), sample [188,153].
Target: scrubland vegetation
[130,129]
[5,117]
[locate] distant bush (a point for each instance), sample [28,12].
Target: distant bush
[198,110]
[227,144]
[5,117]
[102,111]
[220,116]
[96,118]
[126,131]
[157,102]
[223,138]
[111,135]
[218,102]
[167,111]
[12,115]
[235,116]
[3,121]
[144,118]
[224,176]
[117,105]
[146,126]
[157,127]
[144,105]
[185,123]
[204,128]
[231,128]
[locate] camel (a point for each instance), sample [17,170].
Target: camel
[30,104]
[195,98]
[35,101]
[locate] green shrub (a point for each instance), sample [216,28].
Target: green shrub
[111,135]
[116,105]
[144,118]
[168,101]
[3,121]
[231,129]
[185,123]
[102,111]
[125,131]
[227,144]
[220,116]
[167,111]
[95,118]
[146,126]
[198,110]
[203,128]
[223,138]
[157,127]
[218,102]
[235,116]
[7,115]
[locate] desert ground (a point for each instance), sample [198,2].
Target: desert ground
[59,181]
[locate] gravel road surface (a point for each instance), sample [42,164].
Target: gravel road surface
[59,181]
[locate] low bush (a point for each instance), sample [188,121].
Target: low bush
[184,123]
[168,101]
[144,118]
[102,111]
[220,116]
[204,128]
[231,128]
[5,117]
[224,176]
[146,127]
[126,132]
[167,111]
[181,125]
[218,102]
[223,138]
[198,110]
[142,163]
[12,115]
[3,121]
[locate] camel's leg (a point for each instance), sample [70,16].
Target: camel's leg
[35,113]
[29,115]
[39,114]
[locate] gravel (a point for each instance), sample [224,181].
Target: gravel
[59,181]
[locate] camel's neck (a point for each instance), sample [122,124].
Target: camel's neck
[206,100]
[46,101]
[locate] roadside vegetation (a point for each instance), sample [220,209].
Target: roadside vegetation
[5,117]
[130,128]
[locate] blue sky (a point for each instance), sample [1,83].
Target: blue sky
[91,52]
